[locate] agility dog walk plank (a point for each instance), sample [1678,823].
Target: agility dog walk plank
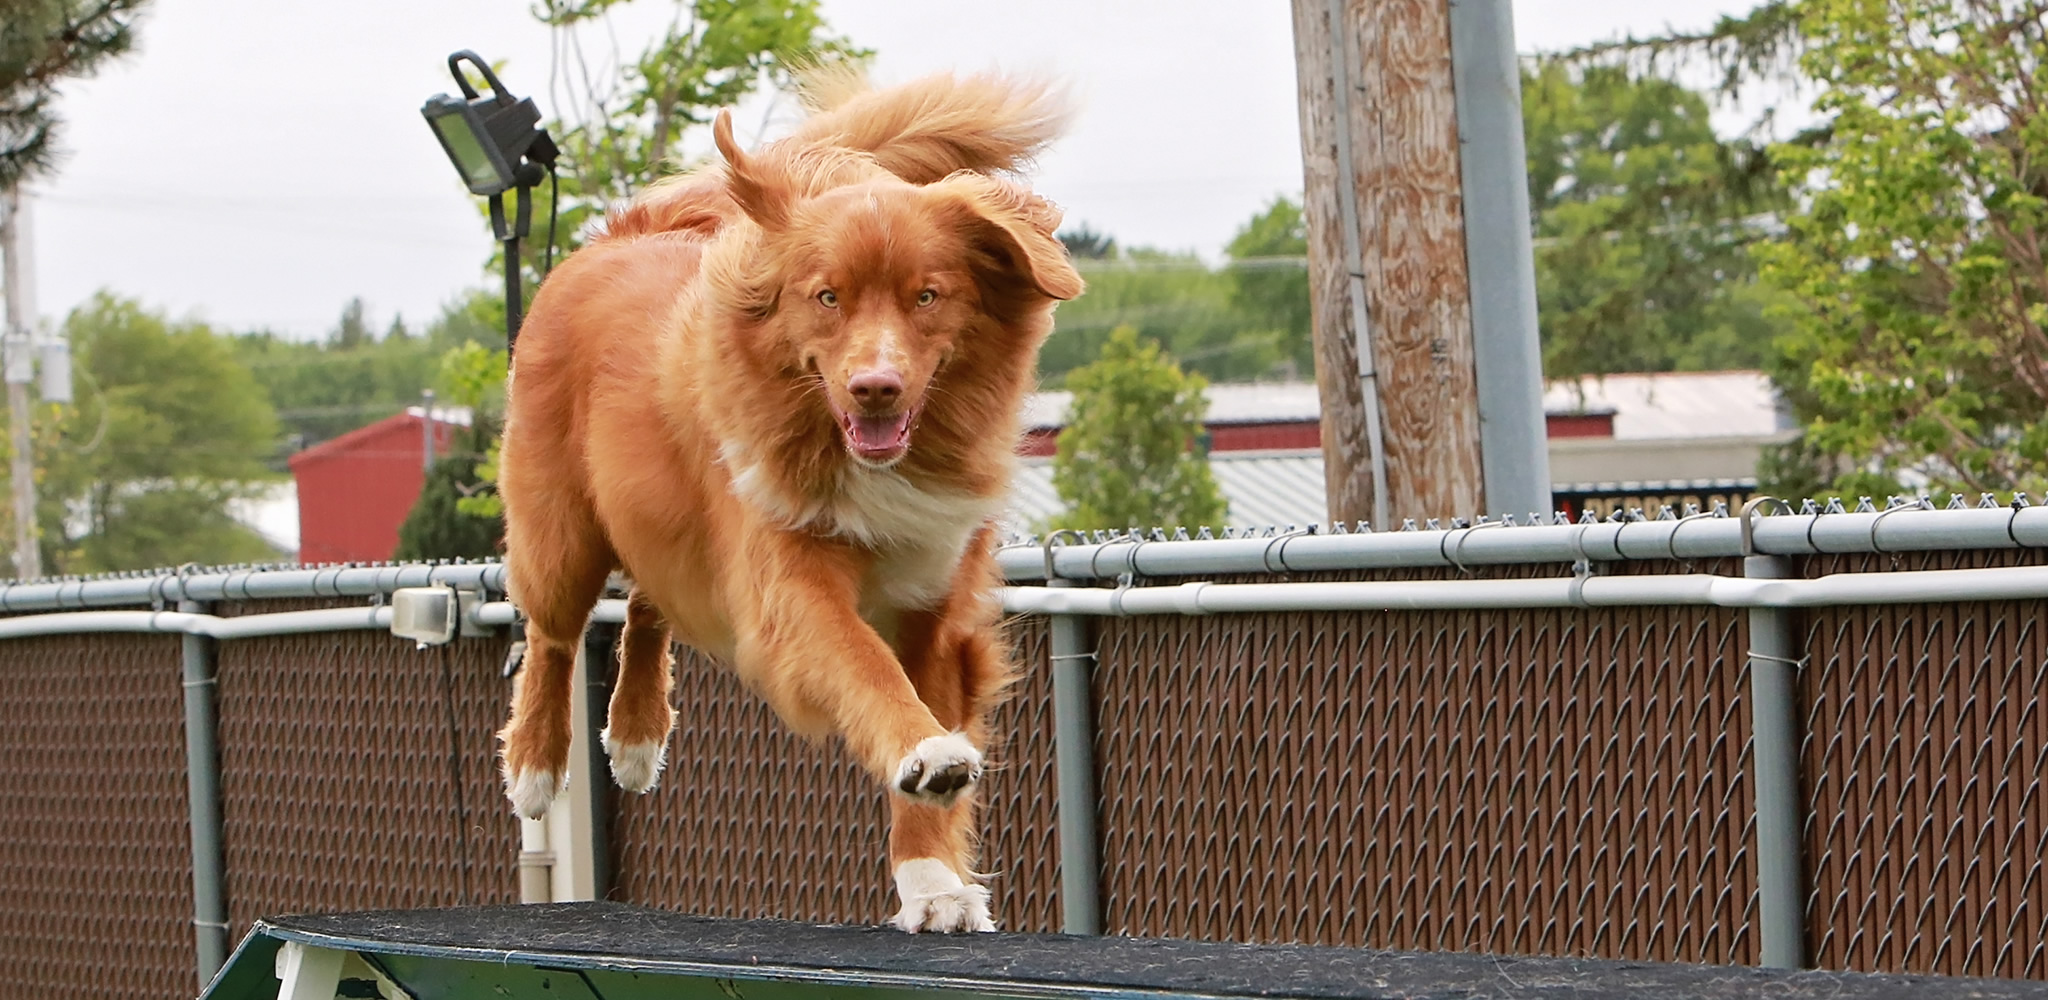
[611,951]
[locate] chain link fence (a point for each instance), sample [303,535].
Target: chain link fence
[1565,782]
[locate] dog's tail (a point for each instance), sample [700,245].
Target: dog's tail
[926,129]
[920,131]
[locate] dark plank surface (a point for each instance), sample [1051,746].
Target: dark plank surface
[617,936]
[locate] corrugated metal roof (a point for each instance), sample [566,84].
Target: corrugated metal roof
[1645,406]
[1285,488]
[1263,488]
[1675,404]
[1229,403]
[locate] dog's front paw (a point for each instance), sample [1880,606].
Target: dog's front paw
[935,899]
[939,769]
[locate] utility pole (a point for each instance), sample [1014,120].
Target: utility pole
[20,371]
[1406,427]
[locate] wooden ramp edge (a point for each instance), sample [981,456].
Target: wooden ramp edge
[611,951]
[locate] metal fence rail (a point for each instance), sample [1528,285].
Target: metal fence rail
[1477,772]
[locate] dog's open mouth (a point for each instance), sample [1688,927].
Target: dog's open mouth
[878,439]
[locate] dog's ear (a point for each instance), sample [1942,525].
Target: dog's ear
[1013,230]
[762,192]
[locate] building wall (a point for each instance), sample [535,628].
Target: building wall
[355,490]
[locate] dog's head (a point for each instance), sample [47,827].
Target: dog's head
[883,293]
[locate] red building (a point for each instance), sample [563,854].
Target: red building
[355,490]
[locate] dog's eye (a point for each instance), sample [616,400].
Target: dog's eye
[829,299]
[927,297]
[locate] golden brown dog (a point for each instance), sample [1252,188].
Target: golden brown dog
[783,394]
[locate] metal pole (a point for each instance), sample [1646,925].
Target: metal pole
[1073,657]
[1775,658]
[20,365]
[202,787]
[600,652]
[427,434]
[1500,262]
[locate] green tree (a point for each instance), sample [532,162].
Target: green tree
[1173,298]
[1912,257]
[168,432]
[1917,252]
[1128,457]
[42,43]
[457,513]
[323,389]
[1643,220]
[1269,283]
[711,55]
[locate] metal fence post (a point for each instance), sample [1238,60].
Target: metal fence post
[1073,656]
[600,655]
[202,788]
[1775,658]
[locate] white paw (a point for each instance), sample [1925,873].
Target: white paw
[635,766]
[939,769]
[934,899]
[532,791]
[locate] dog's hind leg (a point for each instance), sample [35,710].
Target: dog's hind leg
[557,573]
[637,726]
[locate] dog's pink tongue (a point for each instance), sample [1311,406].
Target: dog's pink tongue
[880,433]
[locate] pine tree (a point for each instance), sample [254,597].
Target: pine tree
[43,42]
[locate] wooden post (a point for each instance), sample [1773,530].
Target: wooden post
[1387,267]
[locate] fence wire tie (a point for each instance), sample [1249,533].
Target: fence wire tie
[1454,556]
[1130,558]
[1277,546]
[2010,531]
[1671,540]
[1798,664]
[1887,512]
[219,925]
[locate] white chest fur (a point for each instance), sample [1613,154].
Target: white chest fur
[918,535]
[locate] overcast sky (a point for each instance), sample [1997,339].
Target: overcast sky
[257,162]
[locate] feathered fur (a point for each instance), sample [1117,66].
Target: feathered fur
[782,394]
[920,131]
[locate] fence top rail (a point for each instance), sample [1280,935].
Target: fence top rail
[500,949]
[1710,535]
[1905,528]
[166,589]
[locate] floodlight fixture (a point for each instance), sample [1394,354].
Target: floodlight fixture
[497,145]
[495,141]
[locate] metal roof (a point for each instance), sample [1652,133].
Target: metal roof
[1645,406]
[1267,489]
[1263,488]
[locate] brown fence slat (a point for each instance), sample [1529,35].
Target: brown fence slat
[358,773]
[95,865]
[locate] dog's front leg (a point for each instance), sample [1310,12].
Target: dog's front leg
[803,644]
